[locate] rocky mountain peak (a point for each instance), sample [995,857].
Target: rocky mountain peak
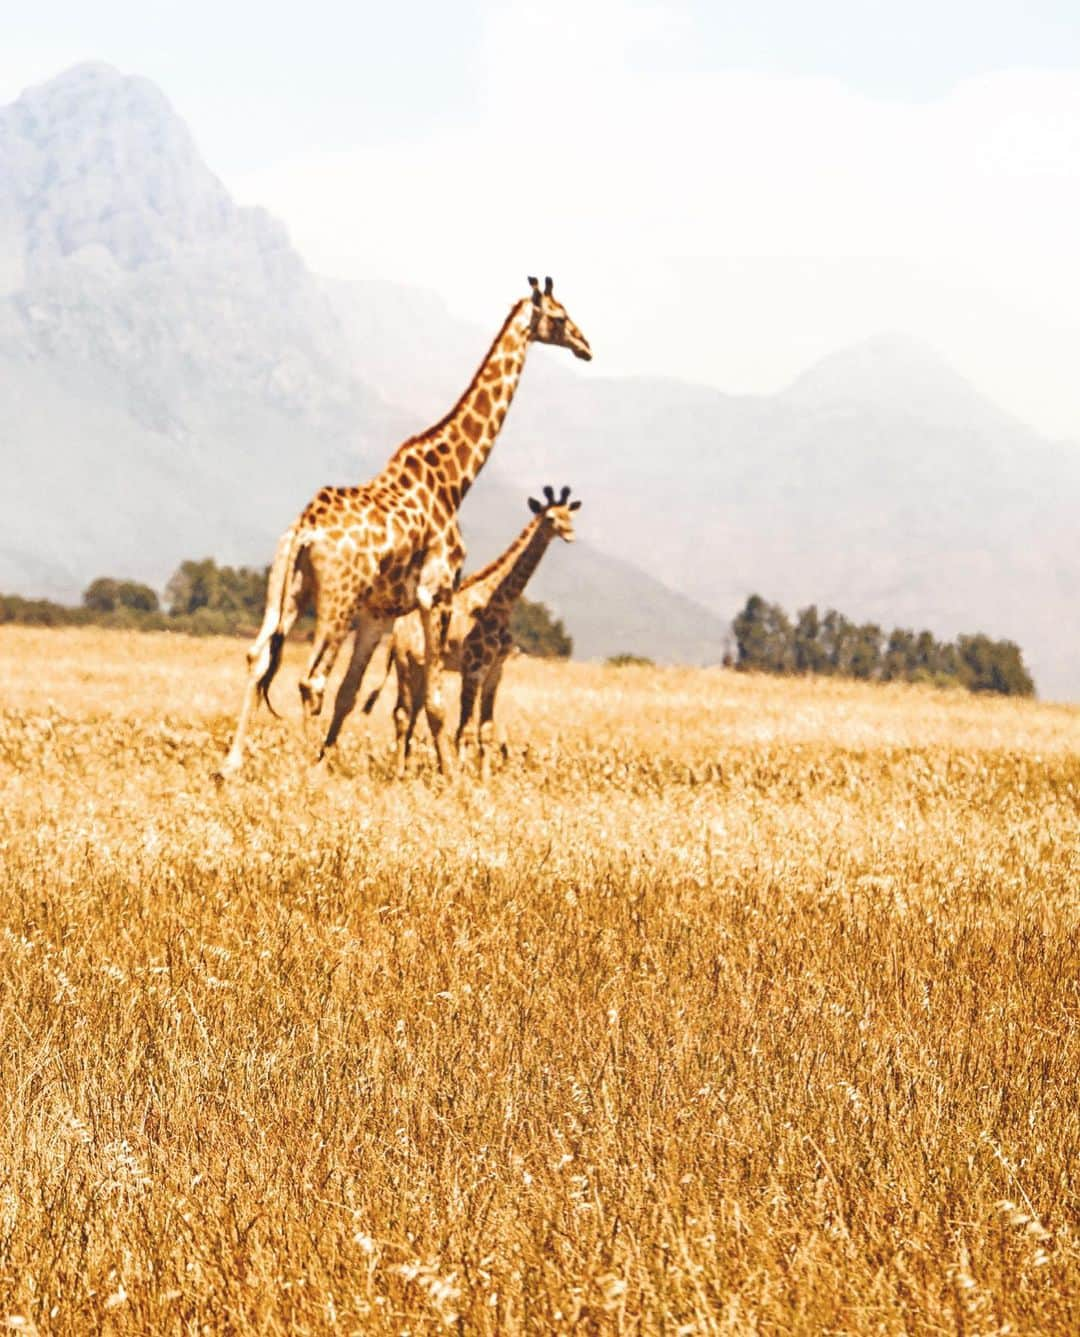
[894,372]
[121,250]
[98,158]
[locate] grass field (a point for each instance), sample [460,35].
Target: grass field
[730,1005]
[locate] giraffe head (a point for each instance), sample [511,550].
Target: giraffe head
[551,324]
[557,512]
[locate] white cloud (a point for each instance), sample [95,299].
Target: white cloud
[592,159]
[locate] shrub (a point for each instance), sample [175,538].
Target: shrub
[626,660]
[536,631]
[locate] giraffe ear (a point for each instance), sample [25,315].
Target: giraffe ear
[574,506]
[535,506]
[548,285]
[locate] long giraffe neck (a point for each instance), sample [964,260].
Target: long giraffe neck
[455,448]
[502,582]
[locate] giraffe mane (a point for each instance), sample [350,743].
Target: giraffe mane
[429,433]
[485,571]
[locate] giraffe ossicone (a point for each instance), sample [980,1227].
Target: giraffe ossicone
[367,555]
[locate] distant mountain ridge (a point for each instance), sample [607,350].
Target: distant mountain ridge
[176,383]
[889,370]
[99,160]
[880,482]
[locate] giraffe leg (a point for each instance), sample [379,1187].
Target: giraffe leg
[329,637]
[410,699]
[417,702]
[433,624]
[368,636]
[487,719]
[286,593]
[468,723]
[404,713]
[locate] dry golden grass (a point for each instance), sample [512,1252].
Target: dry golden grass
[730,1005]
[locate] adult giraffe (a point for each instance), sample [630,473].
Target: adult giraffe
[367,555]
[478,640]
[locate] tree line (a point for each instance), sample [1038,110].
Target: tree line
[769,641]
[205,599]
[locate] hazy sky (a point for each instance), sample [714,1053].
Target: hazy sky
[723,191]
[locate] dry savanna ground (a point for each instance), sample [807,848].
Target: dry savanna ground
[730,1005]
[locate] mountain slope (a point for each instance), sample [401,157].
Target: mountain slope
[172,373]
[174,382]
[880,482]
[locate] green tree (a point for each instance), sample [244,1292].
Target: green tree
[101,595]
[766,640]
[193,585]
[899,662]
[866,651]
[536,631]
[751,633]
[136,596]
[810,654]
[235,594]
[242,590]
[764,637]
[837,639]
[993,666]
[928,657]
[106,595]
[36,612]
[948,663]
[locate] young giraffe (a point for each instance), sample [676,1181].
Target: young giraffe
[477,640]
[367,555]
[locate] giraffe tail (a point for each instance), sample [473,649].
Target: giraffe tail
[280,579]
[277,642]
[369,704]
